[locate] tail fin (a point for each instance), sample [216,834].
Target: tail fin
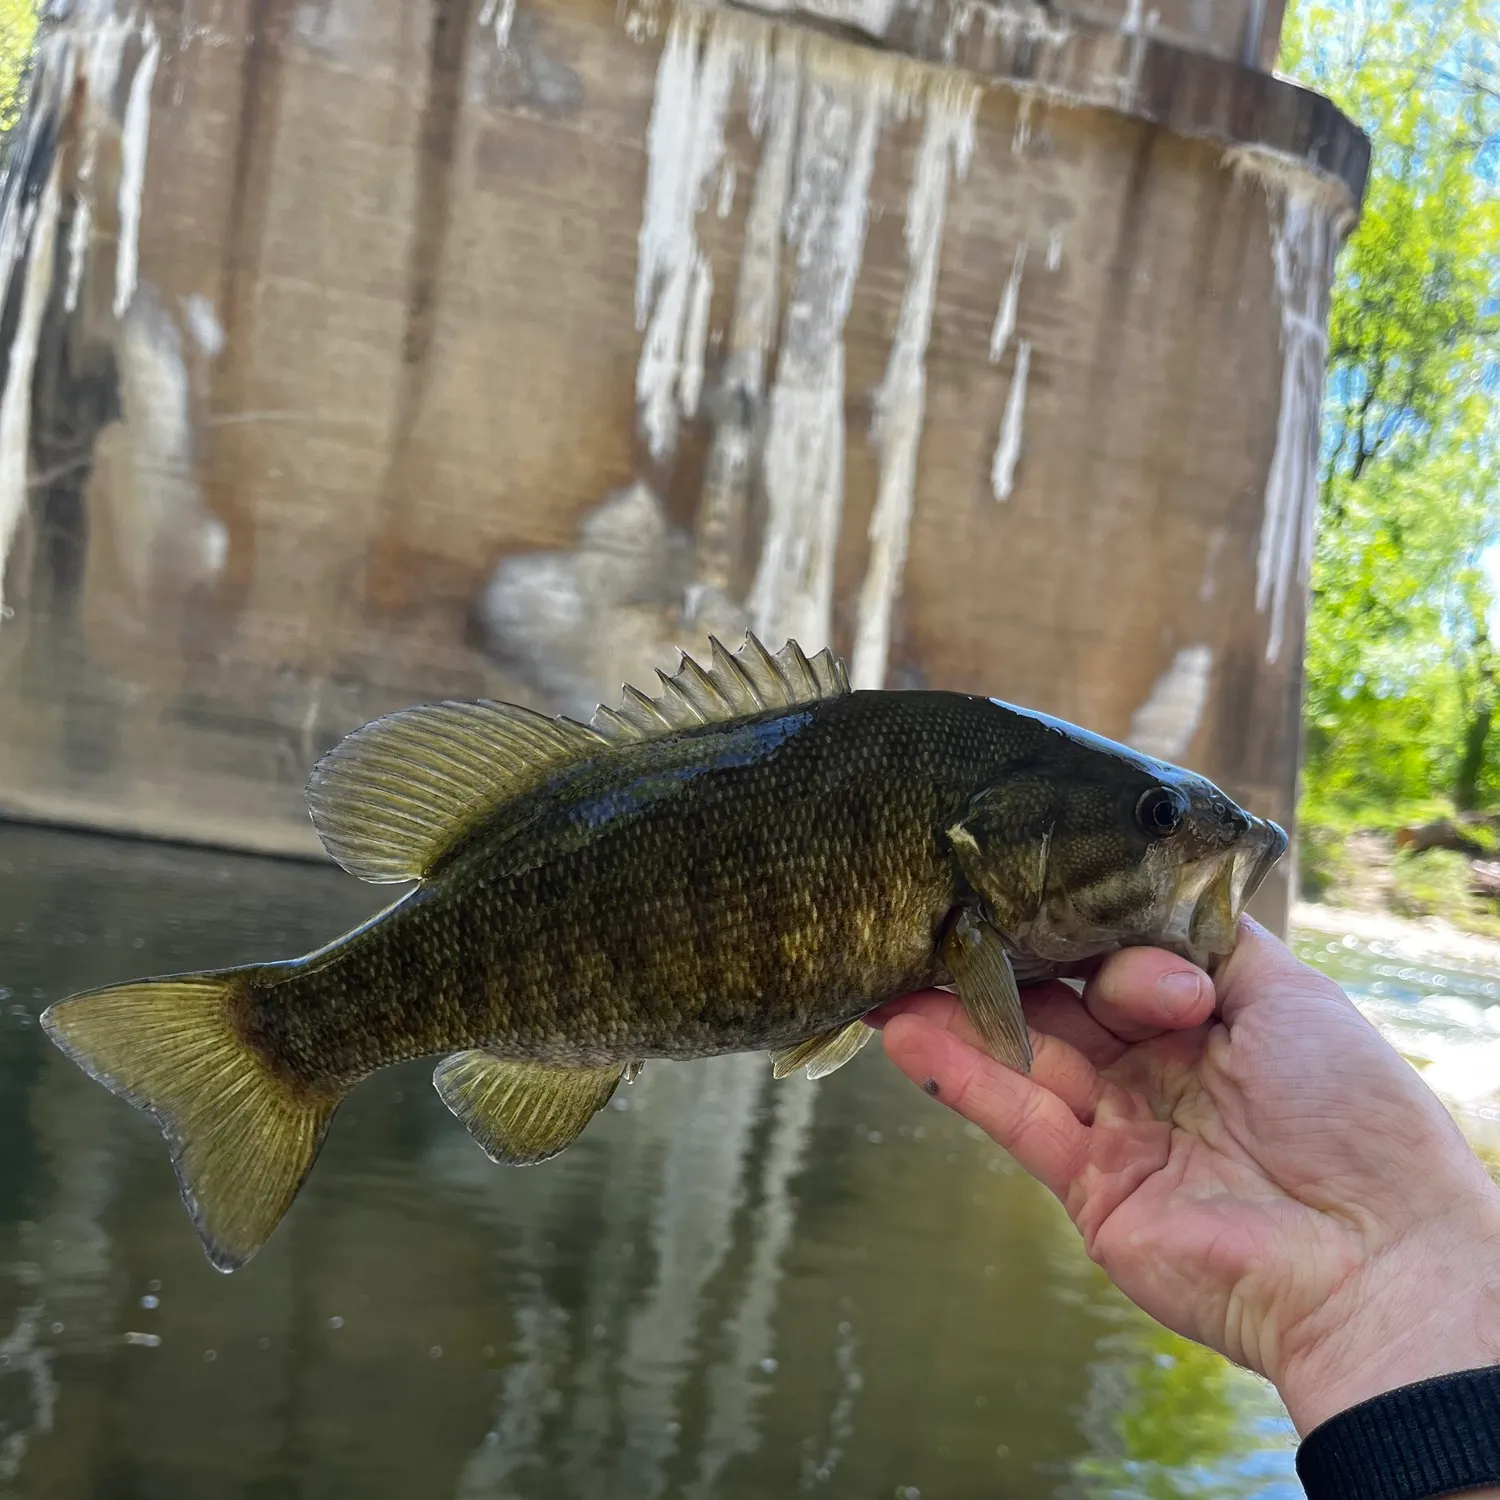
[242,1141]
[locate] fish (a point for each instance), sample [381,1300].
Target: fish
[751,860]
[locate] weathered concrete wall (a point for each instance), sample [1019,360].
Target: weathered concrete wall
[366,355]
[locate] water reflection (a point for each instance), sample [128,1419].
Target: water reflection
[1170,1420]
[728,1288]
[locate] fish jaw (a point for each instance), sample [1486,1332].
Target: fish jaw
[1202,921]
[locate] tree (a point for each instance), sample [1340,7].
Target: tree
[17,34]
[1402,680]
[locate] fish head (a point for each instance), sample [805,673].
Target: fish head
[1091,846]
[1186,861]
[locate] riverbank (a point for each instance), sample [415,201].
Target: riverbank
[1366,870]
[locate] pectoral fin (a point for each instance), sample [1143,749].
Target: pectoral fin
[520,1112]
[822,1054]
[976,957]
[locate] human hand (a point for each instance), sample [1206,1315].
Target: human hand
[1271,1179]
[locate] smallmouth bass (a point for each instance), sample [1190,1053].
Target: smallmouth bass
[752,860]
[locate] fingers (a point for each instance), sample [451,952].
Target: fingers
[1056,1010]
[1264,971]
[1141,992]
[1057,1067]
[1034,1124]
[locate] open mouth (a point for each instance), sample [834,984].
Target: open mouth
[1213,893]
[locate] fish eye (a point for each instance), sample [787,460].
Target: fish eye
[1160,811]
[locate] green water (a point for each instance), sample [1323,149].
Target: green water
[728,1288]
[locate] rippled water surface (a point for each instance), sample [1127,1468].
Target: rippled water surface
[728,1288]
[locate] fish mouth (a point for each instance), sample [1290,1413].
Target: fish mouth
[1266,843]
[1213,892]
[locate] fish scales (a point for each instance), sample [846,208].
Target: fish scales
[751,860]
[727,892]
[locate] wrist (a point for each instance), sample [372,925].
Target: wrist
[1426,1305]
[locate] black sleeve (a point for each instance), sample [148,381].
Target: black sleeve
[1439,1437]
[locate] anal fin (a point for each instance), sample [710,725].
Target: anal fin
[822,1054]
[522,1112]
[974,954]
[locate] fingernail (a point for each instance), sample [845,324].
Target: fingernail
[1178,992]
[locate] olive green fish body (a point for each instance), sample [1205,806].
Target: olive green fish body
[737,888]
[752,860]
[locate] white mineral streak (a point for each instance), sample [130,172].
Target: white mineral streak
[78,239]
[203,323]
[870,16]
[695,336]
[498,16]
[1208,585]
[1135,37]
[15,404]
[28,232]
[1166,722]
[160,524]
[101,67]
[1005,313]
[901,401]
[695,79]
[1054,249]
[1304,243]
[752,328]
[599,614]
[1008,447]
[1021,137]
[135,133]
[843,105]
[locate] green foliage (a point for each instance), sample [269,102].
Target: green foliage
[17,35]
[1323,865]
[1436,883]
[1401,680]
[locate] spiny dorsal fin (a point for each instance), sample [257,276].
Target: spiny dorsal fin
[750,681]
[392,797]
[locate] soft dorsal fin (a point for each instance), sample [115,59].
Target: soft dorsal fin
[390,799]
[751,681]
[394,796]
